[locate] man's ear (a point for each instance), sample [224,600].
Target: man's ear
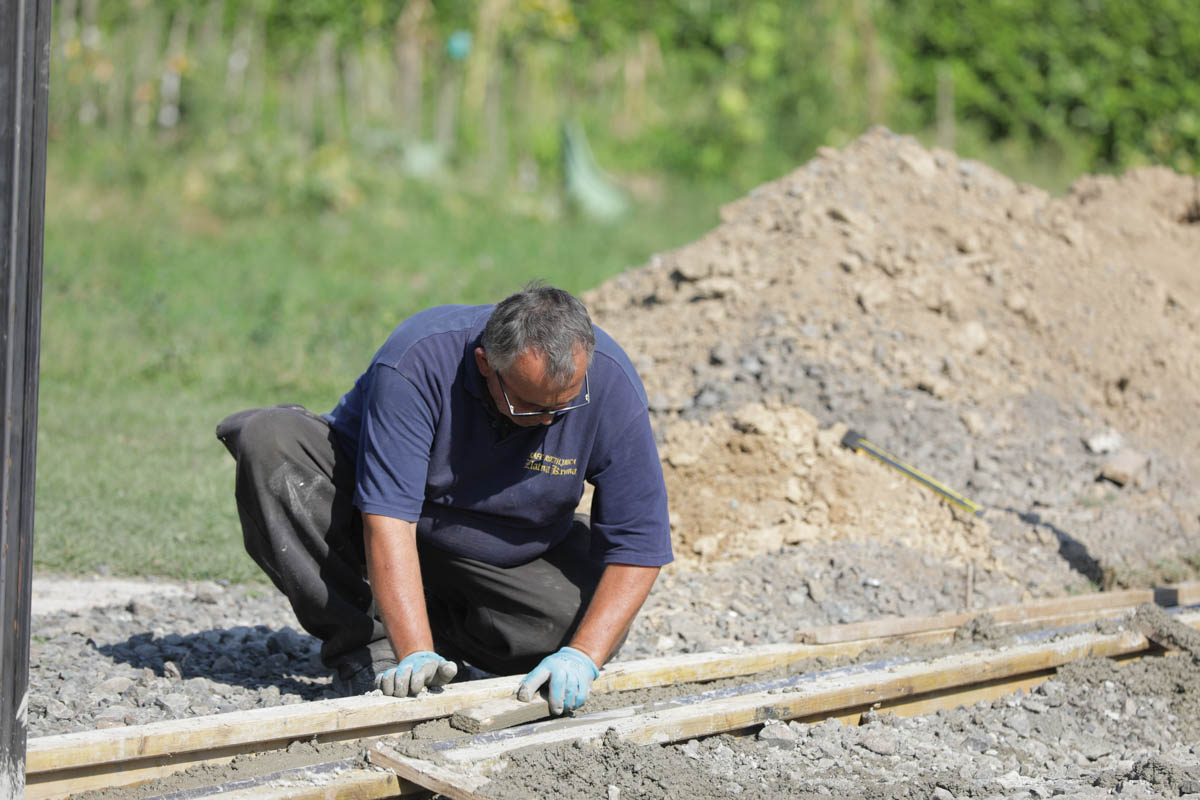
[481,361]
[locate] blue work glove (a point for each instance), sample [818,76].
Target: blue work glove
[570,673]
[415,672]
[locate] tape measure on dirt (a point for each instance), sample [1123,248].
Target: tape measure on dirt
[854,441]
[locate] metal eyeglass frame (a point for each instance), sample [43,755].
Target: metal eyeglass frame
[553,412]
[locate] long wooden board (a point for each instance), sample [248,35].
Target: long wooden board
[506,711]
[341,780]
[1036,611]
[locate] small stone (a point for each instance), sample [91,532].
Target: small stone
[174,703]
[973,422]
[614,793]
[115,685]
[973,337]
[1016,302]
[705,546]
[1018,723]
[692,748]
[1123,468]
[58,709]
[146,652]
[664,643]
[941,793]
[1104,442]
[851,218]
[141,609]
[1094,748]
[778,735]
[172,670]
[880,742]
[208,592]
[741,607]
[873,295]
[286,641]
[116,715]
[976,744]
[817,590]
[276,662]
[1034,706]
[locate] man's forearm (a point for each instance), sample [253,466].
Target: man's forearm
[394,572]
[618,598]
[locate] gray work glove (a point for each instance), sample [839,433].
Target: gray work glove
[420,670]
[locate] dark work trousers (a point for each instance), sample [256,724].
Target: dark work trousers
[294,492]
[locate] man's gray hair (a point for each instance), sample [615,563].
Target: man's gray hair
[548,320]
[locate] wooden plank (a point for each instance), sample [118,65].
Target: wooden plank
[24,93]
[508,711]
[1025,612]
[313,784]
[940,700]
[501,713]
[67,782]
[364,715]
[450,781]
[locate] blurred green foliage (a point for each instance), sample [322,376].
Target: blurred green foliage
[302,104]
[1115,78]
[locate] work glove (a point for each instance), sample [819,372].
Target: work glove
[570,673]
[420,670]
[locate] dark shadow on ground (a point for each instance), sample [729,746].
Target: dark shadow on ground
[253,658]
[1073,551]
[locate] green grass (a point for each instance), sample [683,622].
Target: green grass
[160,318]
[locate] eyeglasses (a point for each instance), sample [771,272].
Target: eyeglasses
[587,398]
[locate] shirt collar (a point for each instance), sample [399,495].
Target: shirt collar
[472,378]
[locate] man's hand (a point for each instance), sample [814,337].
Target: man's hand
[570,673]
[417,671]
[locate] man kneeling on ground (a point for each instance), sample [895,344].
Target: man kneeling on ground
[429,519]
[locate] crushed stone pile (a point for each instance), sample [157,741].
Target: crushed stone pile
[1014,345]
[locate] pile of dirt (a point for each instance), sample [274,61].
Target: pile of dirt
[1006,341]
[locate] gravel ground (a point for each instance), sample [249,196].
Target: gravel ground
[1097,731]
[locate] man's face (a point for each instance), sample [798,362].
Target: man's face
[529,388]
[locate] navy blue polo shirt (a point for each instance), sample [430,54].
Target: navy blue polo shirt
[430,448]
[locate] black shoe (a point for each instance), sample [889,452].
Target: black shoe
[360,681]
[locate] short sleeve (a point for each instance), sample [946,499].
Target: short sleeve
[398,423]
[629,507]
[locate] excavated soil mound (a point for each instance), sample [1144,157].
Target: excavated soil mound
[1014,345]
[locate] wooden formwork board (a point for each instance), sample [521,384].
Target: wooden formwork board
[506,711]
[1036,611]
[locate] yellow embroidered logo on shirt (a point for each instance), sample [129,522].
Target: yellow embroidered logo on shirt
[551,465]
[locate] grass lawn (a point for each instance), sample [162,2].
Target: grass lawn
[160,318]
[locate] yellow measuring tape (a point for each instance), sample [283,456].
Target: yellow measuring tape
[854,441]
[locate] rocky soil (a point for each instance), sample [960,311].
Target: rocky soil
[1014,345]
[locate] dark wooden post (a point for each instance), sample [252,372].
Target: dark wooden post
[24,85]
